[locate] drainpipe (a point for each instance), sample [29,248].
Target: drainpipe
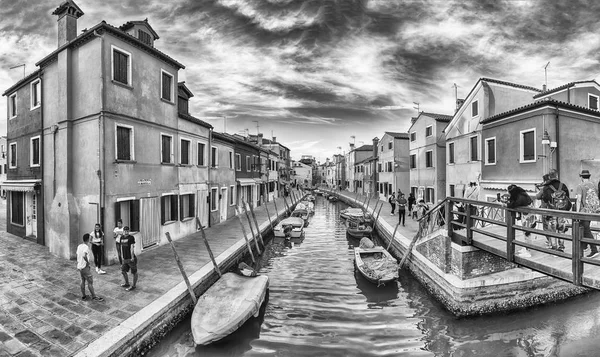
[101,136]
[557,129]
[209,154]
[42,241]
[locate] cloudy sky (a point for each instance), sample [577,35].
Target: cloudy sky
[317,72]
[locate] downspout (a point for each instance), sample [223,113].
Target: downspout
[101,136]
[557,129]
[209,154]
[41,204]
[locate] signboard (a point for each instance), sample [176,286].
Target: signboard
[145,182]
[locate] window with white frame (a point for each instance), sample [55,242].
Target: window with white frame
[429,158]
[124,142]
[128,210]
[168,208]
[413,161]
[186,206]
[214,198]
[390,145]
[166,85]
[474,148]
[214,157]
[184,151]
[166,149]
[247,163]
[379,167]
[490,151]
[390,167]
[231,159]
[527,146]
[592,101]
[428,131]
[475,108]
[429,195]
[35,89]
[201,154]
[238,162]
[12,105]
[12,155]
[231,195]
[34,151]
[451,153]
[121,66]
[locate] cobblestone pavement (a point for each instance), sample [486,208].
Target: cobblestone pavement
[41,311]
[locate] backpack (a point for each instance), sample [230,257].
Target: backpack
[560,200]
[592,203]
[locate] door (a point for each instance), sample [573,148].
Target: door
[202,207]
[31,214]
[223,204]
[150,221]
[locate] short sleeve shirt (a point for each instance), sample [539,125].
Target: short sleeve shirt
[82,251]
[126,243]
[582,191]
[119,233]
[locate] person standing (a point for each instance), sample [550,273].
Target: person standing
[549,195]
[587,202]
[519,198]
[97,247]
[117,234]
[401,209]
[411,203]
[83,265]
[392,201]
[129,259]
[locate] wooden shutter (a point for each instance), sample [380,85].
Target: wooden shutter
[181,209]
[192,200]
[117,212]
[134,215]
[174,208]
[162,210]
[123,144]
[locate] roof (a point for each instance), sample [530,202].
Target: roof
[509,84]
[129,24]
[370,158]
[65,5]
[99,28]
[195,120]
[223,137]
[397,135]
[564,86]
[20,83]
[185,89]
[539,104]
[438,117]
[364,148]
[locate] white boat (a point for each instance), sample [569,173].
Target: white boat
[296,223]
[226,305]
[352,212]
[302,213]
[306,205]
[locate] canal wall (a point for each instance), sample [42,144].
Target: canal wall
[465,279]
[139,333]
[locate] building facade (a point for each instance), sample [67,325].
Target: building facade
[222,196]
[301,174]
[3,166]
[393,164]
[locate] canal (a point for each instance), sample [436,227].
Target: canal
[319,306]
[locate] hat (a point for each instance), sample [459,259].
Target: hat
[585,174]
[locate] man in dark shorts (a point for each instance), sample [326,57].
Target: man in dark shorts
[127,245]
[83,265]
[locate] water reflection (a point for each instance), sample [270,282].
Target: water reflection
[377,297]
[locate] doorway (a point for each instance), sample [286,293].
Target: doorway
[223,204]
[150,221]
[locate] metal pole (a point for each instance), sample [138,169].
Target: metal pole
[238,214]
[182,271]
[251,229]
[256,224]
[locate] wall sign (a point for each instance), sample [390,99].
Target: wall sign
[145,182]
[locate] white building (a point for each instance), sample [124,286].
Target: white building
[301,174]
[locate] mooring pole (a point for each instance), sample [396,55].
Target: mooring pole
[268,214]
[238,214]
[210,253]
[251,229]
[256,224]
[182,271]
[393,237]
[276,212]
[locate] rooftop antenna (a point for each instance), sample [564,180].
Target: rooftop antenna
[417,107]
[19,65]
[256,121]
[455,93]
[546,75]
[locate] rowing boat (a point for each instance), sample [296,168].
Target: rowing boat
[376,264]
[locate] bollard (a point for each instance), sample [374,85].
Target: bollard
[238,214]
[182,271]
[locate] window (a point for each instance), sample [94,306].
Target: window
[17,208]
[429,158]
[231,159]
[490,151]
[528,153]
[12,155]
[231,195]
[183,105]
[381,148]
[452,192]
[168,209]
[474,149]
[128,211]
[428,131]
[390,145]
[214,157]
[166,149]
[451,153]
[413,136]
[36,94]
[379,167]
[247,163]
[429,195]
[145,37]
[166,85]
[593,101]
[12,105]
[214,198]
[184,152]
[124,142]
[201,147]
[475,109]
[34,152]
[186,206]
[389,166]
[413,161]
[121,66]
[238,162]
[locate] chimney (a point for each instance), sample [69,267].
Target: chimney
[459,103]
[274,139]
[375,143]
[259,138]
[544,88]
[351,146]
[68,13]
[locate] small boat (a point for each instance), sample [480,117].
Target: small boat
[307,205]
[376,264]
[358,229]
[296,223]
[351,212]
[310,198]
[318,192]
[332,198]
[301,213]
[226,305]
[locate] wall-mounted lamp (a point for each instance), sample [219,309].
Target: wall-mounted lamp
[546,138]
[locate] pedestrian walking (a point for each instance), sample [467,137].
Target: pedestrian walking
[411,203]
[587,202]
[117,234]
[83,265]
[97,237]
[519,198]
[129,259]
[392,201]
[555,195]
[401,209]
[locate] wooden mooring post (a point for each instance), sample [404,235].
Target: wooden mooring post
[238,214]
[182,271]
[267,209]
[276,211]
[251,229]
[251,205]
[210,253]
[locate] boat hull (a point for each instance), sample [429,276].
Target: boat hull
[359,233]
[360,253]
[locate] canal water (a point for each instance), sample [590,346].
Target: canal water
[319,306]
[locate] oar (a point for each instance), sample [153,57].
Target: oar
[182,271]
[393,235]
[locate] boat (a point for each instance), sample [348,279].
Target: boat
[306,205]
[226,305]
[376,264]
[332,198]
[310,198]
[358,229]
[296,223]
[318,192]
[301,213]
[351,212]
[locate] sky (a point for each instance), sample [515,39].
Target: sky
[320,74]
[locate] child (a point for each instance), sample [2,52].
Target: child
[83,265]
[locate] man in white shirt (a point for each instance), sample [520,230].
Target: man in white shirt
[83,265]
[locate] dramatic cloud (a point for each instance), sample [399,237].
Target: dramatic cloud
[316,73]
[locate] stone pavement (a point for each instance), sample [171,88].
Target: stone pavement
[41,311]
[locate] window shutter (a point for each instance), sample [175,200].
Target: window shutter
[192,200]
[174,208]
[117,212]
[162,210]
[181,209]
[134,215]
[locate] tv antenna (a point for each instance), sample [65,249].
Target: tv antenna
[256,121]
[417,107]
[19,65]
[546,74]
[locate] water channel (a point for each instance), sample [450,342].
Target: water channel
[318,306]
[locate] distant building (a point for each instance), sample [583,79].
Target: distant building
[3,166]
[301,174]
[355,156]
[222,196]
[393,165]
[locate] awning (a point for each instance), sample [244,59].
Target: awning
[21,185]
[258,180]
[246,181]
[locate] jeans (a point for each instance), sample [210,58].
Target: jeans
[393,207]
[402,216]
[587,233]
[97,251]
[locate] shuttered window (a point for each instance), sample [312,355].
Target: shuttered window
[120,67]
[474,149]
[165,149]
[168,208]
[185,152]
[167,86]
[201,147]
[186,206]
[124,143]
[129,213]
[35,151]
[145,37]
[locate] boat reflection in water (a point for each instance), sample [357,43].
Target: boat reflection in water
[377,297]
[289,242]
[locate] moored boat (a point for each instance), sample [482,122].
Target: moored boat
[358,229]
[301,213]
[226,305]
[296,224]
[351,212]
[376,264]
